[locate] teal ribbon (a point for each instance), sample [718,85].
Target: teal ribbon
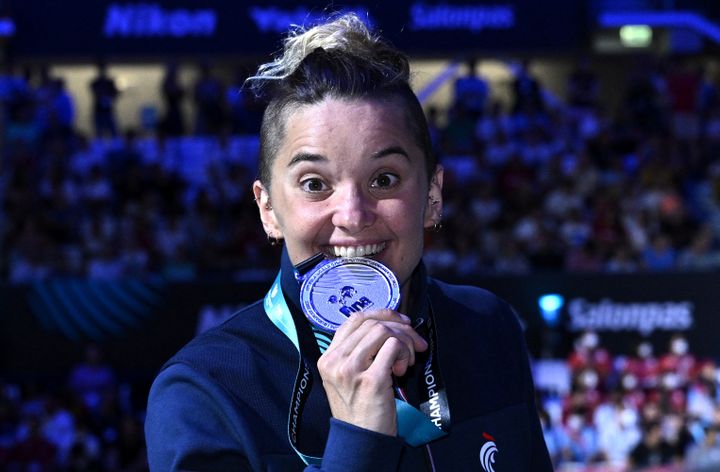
[277,310]
[413,426]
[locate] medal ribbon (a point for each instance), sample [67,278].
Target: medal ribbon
[415,427]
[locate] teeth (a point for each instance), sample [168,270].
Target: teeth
[358,251]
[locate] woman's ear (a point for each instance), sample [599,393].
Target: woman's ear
[267,214]
[434,206]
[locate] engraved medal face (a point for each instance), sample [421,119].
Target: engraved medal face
[336,289]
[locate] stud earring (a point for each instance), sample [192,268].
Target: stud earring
[267,205]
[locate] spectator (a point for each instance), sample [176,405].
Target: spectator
[30,258]
[486,207]
[618,433]
[123,157]
[527,90]
[208,94]
[622,260]
[492,123]
[677,366]
[564,201]
[705,457]
[708,98]
[471,92]
[581,440]
[703,395]
[589,356]
[644,367]
[106,264]
[33,452]
[499,150]
[104,93]
[583,87]
[653,450]
[86,451]
[676,433]
[92,380]
[511,260]
[683,85]
[583,258]
[244,107]
[173,121]
[439,257]
[58,428]
[660,255]
[129,454]
[701,255]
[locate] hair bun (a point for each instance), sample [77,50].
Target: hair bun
[343,37]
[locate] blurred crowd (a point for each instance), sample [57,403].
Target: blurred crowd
[539,183]
[91,421]
[635,412]
[173,204]
[564,183]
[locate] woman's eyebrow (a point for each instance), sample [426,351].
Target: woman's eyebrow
[310,157]
[390,150]
[306,157]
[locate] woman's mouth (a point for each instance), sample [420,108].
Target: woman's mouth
[366,250]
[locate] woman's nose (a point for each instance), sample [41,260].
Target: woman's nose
[354,211]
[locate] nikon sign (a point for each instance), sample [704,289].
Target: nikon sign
[151,20]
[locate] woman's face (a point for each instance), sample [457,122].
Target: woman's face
[350,180]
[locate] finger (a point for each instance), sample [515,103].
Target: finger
[418,342]
[356,319]
[367,339]
[357,351]
[392,358]
[370,344]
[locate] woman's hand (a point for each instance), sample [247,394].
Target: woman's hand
[357,369]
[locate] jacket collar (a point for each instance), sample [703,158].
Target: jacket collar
[289,282]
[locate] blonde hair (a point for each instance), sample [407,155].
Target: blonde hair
[347,34]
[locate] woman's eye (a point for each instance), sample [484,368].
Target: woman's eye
[313,185]
[385,181]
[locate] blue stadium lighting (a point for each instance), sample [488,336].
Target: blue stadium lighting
[7,27]
[675,19]
[550,306]
[552,302]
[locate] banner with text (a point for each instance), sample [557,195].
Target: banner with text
[147,29]
[141,323]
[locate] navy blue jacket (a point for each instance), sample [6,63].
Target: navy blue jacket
[222,402]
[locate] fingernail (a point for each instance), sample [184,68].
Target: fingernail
[405,318]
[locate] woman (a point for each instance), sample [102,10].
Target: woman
[443,383]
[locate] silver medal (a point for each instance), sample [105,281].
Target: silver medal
[337,288]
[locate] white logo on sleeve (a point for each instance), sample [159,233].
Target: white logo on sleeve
[487,453]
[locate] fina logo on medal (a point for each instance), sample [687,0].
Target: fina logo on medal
[487,453]
[347,305]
